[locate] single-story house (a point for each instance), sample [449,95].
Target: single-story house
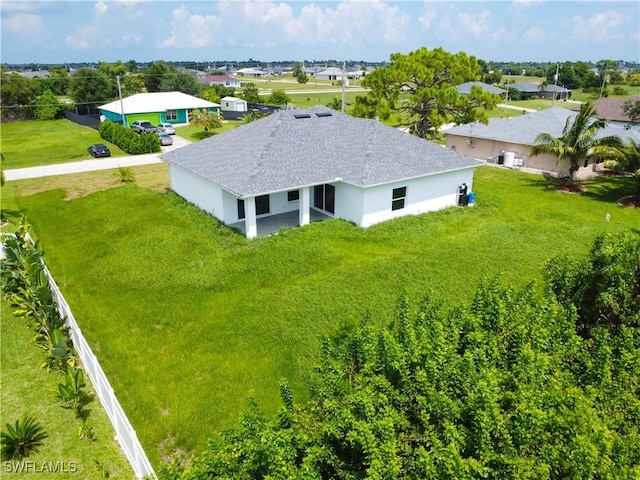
[555,92]
[159,107]
[331,73]
[225,80]
[233,104]
[250,72]
[465,88]
[610,109]
[297,165]
[512,139]
[526,90]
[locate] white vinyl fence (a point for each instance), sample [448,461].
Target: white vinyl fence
[125,434]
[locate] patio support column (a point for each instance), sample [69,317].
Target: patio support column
[303,208]
[250,224]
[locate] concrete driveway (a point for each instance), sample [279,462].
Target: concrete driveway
[93,164]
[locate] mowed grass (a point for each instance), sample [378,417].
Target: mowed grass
[28,390]
[189,319]
[36,142]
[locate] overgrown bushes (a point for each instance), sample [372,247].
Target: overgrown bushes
[502,388]
[128,140]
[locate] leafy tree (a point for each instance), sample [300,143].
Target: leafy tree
[48,107]
[631,108]
[90,88]
[278,97]
[250,93]
[132,84]
[215,93]
[492,78]
[604,287]
[180,82]
[586,77]
[578,141]
[57,82]
[154,74]
[132,66]
[426,79]
[302,77]
[17,95]
[112,70]
[629,163]
[207,119]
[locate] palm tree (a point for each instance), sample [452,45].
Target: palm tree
[206,119]
[630,163]
[578,141]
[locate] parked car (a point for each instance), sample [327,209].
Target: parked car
[166,128]
[99,150]
[143,126]
[165,139]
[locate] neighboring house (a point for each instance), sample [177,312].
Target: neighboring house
[555,92]
[160,107]
[315,163]
[250,72]
[331,73]
[610,109]
[465,88]
[527,90]
[512,139]
[35,74]
[225,80]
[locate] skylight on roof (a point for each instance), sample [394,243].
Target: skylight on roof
[301,115]
[323,114]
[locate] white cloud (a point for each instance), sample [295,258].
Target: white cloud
[192,30]
[534,34]
[518,6]
[476,25]
[23,24]
[101,8]
[83,38]
[599,27]
[266,23]
[427,18]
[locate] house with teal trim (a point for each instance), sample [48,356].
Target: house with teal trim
[159,107]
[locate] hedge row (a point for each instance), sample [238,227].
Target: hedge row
[128,140]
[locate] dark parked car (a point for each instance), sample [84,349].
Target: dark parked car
[143,126]
[99,150]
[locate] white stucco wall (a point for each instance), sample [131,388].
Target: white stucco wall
[349,204]
[198,191]
[424,194]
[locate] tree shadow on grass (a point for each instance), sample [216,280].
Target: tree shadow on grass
[603,188]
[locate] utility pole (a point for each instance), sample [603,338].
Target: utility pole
[343,81]
[555,84]
[120,96]
[506,97]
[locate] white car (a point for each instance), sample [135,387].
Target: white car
[165,139]
[167,128]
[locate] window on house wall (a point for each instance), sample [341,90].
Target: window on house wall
[262,204]
[171,115]
[293,195]
[324,197]
[240,208]
[398,197]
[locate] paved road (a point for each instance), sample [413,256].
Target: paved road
[92,165]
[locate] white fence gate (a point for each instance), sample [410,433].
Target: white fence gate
[125,434]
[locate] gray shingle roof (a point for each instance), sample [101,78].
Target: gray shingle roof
[282,152]
[526,87]
[525,128]
[465,88]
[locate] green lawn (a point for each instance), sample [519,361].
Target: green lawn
[27,390]
[187,317]
[44,142]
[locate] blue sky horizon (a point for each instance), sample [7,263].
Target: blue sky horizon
[71,31]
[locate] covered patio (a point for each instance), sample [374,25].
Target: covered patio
[274,223]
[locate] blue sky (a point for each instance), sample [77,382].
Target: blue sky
[269,30]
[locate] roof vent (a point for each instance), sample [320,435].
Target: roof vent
[323,114]
[301,115]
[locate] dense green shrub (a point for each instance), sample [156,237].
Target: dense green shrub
[128,140]
[503,388]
